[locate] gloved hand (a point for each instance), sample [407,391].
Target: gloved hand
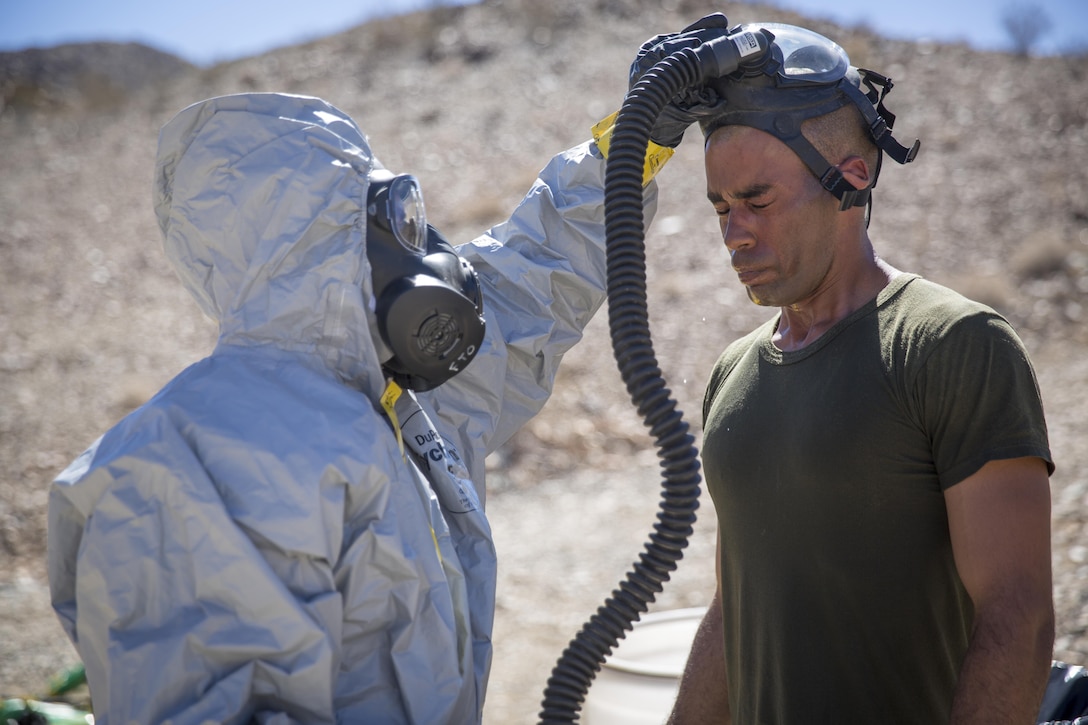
[693,104]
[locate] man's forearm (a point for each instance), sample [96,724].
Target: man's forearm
[1005,671]
[704,695]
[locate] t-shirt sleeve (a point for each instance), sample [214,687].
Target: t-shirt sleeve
[979,399]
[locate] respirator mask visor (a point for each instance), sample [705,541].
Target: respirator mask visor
[397,206]
[428,302]
[799,56]
[804,75]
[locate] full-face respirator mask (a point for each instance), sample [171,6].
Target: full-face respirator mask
[428,303]
[797,75]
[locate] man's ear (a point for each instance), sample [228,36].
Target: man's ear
[855,171]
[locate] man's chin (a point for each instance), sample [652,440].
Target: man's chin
[759,297]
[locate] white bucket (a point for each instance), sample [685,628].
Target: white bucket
[637,683]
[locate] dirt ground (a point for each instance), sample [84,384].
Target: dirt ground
[474,101]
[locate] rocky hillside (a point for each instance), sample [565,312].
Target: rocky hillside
[474,100]
[87,76]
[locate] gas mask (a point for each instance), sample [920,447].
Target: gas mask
[429,307]
[795,75]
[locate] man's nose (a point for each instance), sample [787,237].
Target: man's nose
[736,234]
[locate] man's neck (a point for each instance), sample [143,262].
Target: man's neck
[801,324]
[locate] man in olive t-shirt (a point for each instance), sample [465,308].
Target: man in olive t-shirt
[876,453]
[836,556]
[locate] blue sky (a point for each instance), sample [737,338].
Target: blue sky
[208,31]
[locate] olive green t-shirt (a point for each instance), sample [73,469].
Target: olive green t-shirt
[827,468]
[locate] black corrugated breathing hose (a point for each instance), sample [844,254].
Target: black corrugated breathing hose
[630,331]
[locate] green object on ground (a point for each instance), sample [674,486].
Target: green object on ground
[67,680]
[35,712]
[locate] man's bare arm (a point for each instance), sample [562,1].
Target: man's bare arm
[999,520]
[704,695]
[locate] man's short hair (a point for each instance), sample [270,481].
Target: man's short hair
[840,134]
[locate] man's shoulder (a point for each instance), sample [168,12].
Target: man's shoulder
[921,295]
[924,316]
[733,353]
[924,309]
[736,349]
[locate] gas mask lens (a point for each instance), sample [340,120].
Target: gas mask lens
[806,56]
[407,218]
[396,205]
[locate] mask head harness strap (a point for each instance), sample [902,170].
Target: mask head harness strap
[879,121]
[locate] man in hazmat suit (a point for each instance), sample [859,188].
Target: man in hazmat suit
[292,530]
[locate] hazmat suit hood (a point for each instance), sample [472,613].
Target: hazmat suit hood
[261,199]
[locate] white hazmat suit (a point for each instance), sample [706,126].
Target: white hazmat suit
[251,544]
